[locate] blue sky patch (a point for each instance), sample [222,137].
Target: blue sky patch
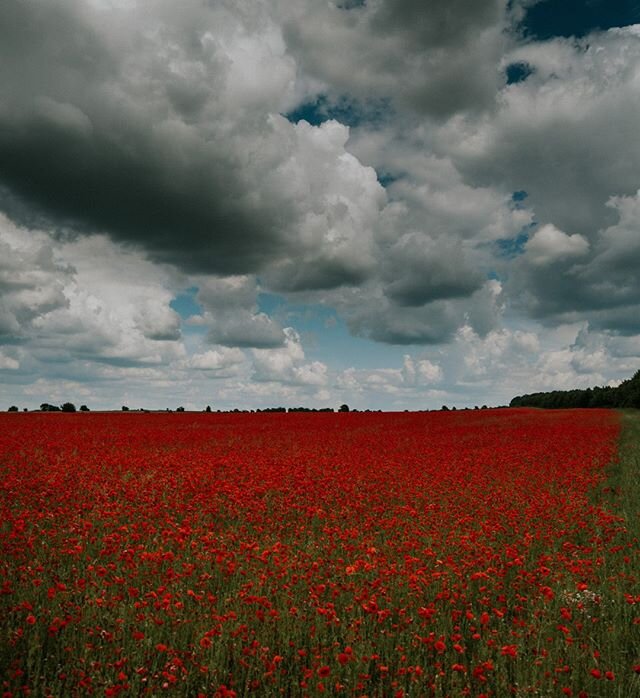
[270,303]
[518,72]
[510,248]
[325,334]
[386,178]
[519,196]
[343,109]
[552,18]
[312,112]
[185,303]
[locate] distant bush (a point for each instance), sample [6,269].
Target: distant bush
[84,408]
[13,408]
[68,407]
[344,408]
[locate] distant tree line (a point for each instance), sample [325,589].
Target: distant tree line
[65,407]
[285,409]
[627,394]
[70,407]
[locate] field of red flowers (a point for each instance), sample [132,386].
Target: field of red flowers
[468,553]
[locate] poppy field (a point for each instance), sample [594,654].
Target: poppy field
[470,553]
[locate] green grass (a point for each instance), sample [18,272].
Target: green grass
[618,555]
[623,485]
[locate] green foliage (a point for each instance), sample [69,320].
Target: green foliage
[627,394]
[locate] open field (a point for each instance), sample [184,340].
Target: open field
[481,553]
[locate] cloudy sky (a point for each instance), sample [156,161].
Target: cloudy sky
[246,203]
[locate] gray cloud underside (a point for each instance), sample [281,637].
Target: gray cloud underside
[577,280]
[151,130]
[567,134]
[158,135]
[160,127]
[437,57]
[92,147]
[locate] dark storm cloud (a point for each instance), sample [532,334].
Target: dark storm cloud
[404,331]
[231,313]
[375,316]
[246,330]
[622,321]
[438,23]
[415,289]
[38,37]
[87,145]
[568,134]
[438,57]
[160,128]
[565,279]
[193,218]
[318,274]
[566,167]
[421,270]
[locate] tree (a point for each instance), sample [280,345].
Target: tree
[13,408]
[344,408]
[125,408]
[208,408]
[180,409]
[84,408]
[627,394]
[68,407]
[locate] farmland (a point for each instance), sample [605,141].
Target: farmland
[479,553]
